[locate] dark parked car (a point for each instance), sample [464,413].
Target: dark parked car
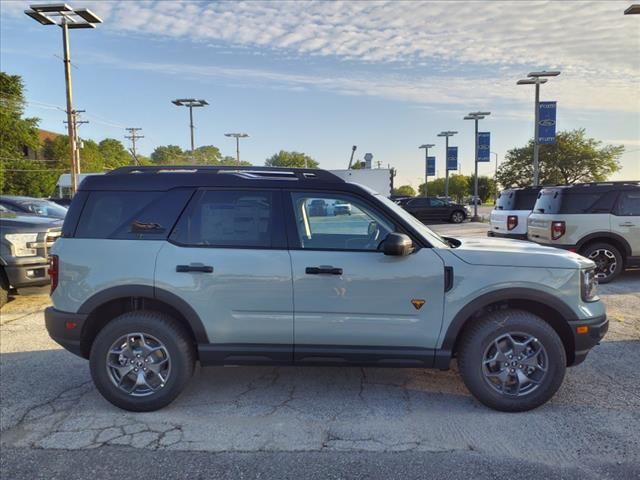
[33,206]
[24,249]
[432,209]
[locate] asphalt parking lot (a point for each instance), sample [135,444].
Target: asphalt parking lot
[294,422]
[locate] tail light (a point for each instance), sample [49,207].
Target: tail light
[53,271]
[512,222]
[557,230]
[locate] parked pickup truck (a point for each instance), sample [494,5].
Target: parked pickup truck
[24,250]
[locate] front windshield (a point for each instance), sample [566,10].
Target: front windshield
[44,208]
[430,235]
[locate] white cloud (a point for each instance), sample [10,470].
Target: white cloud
[458,51]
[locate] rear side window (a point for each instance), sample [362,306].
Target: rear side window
[572,201]
[131,215]
[223,218]
[629,204]
[505,200]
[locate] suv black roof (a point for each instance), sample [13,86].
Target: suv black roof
[597,186]
[159,178]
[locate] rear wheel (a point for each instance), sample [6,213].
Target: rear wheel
[511,360]
[458,217]
[608,260]
[142,360]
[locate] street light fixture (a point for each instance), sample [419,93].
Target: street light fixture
[190,103]
[65,17]
[476,116]
[537,79]
[446,134]
[426,147]
[237,136]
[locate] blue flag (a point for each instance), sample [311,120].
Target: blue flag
[452,158]
[431,166]
[547,123]
[484,146]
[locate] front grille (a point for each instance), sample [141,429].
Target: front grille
[45,241]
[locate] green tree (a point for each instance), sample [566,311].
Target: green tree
[458,187]
[573,158]
[16,132]
[114,154]
[435,187]
[59,150]
[206,155]
[291,159]
[168,155]
[486,187]
[404,190]
[231,161]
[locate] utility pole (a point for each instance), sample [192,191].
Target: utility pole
[353,151]
[426,147]
[495,178]
[75,115]
[446,134]
[190,103]
[237,136]
[475,116]
[69,18]
[133,136]
[536,78]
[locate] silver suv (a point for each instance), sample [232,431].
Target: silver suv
[158,268]
[600,221]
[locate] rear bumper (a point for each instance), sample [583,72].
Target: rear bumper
[515,236]
[65,328]
[584,342]
[34,274]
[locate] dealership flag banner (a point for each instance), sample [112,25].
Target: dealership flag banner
[431,166]
[452,158]
[547,123]
[484,147]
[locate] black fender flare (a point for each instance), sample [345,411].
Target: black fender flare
[147,291]
[502,295]
[604,236]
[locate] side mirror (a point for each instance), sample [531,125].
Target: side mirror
[397,244]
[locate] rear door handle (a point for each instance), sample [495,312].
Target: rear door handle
[194,268]
[323,270]
[627,224]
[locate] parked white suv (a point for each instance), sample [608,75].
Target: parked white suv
[600,221]
[513,207]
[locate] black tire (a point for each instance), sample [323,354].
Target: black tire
[478,338]
[174,338]
[458,217]
[604,254]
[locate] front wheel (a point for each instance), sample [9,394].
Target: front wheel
[511,360]
[458,217]
[141,360]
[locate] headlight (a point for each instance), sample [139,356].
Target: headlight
[21,244]
[588,285]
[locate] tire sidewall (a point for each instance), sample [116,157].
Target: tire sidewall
[454,216]
[471,360]
[152,324]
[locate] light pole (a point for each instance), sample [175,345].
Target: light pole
[426,147]
[67,18]
[537,79]
[190,103]
[446,134]
[237,136]
[495,178]
[475,116]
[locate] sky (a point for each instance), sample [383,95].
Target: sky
[319,77]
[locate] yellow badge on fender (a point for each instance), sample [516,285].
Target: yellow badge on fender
[418,303]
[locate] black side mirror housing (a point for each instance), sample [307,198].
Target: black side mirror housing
[397,244]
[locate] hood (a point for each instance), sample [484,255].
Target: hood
[28,222]
[516,253]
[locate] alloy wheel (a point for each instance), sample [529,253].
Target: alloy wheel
[605,261]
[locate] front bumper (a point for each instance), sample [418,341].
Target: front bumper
[597,327]
[28,272]
[65,328]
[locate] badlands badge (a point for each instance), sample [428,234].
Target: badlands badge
[418,303]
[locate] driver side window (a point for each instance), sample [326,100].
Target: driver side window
[337,222]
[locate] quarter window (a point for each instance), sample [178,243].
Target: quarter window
[338,222]
[629,204]
[222,218]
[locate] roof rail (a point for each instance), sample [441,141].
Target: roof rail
[603,183]
[249,172]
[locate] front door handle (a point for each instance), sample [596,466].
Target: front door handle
[194,268]
[627,224]
[328,270]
